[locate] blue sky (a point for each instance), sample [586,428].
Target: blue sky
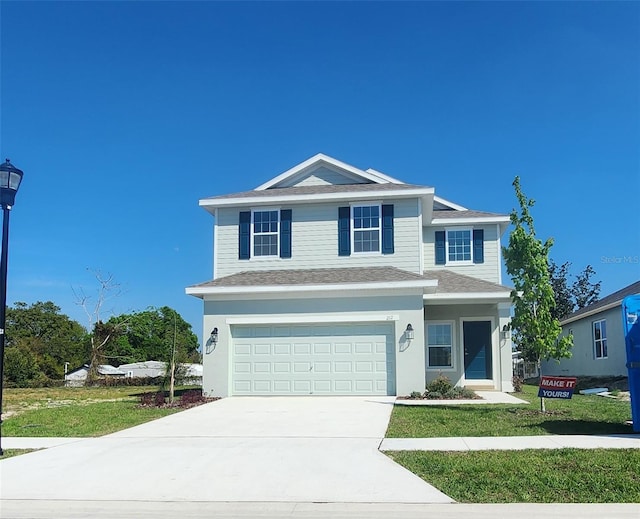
[124,114]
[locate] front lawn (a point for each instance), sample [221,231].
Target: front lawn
[530,476]
[583,414]
[76,411]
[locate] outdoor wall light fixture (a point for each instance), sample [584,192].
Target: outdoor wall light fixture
[506,332]
[408,333]
[213,341]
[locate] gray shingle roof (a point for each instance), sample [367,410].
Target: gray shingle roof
[616,297]
[314,190]
[464,214]
[454,283]
[314,277]
[448,282]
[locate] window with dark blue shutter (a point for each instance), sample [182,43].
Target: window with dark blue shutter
[285,233]
[441,248]
[344,231]
[387,229]
[478,246]
[244,248]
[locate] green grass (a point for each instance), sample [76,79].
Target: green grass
[10,453]
[81,420]
[530,476]
[583,414]
[75,412]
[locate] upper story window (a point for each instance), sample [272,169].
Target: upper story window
[366,228]
[265,231]
[459,246]
[600,339]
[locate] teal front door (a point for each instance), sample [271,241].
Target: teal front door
[477,350]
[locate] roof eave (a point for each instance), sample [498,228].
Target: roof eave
[603,308]
[201,291]
[211,204]
[452,297]
[471,219]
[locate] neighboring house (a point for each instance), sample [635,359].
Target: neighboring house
[154,368]
[78,376]
[148,368]
[598,339]
[332,280]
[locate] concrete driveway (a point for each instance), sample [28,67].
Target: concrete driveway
[244,449]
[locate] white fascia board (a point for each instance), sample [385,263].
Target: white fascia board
[591,312]
[384,177]
[209,203]
[464,296]
[449,204]
[312,318]
[320,157]
[343,287]
[470,220]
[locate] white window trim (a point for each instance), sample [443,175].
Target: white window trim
[253,256]
[353,230]
[593,333]
[452,324]
[462,262]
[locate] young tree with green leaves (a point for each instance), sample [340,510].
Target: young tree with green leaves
[536,332]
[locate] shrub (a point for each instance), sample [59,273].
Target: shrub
[441,385]
[460,392]
[433,395]
[155,399]
[193,396]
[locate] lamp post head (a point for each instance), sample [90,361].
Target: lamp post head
[10,178]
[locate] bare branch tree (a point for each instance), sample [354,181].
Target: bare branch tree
[100,332]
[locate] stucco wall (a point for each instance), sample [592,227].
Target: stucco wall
[410,374]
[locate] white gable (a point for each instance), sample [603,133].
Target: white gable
[324,170]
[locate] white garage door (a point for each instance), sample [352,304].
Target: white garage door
[325,359]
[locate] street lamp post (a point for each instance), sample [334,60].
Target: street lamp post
[10,178]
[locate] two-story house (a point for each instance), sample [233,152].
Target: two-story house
[332,280]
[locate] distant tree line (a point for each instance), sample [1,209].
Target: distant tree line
[40,340]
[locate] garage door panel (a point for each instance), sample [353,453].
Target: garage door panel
[282,386]
[301,349]
[318,359]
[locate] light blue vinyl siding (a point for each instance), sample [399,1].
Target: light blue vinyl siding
[489,270]
[315,241]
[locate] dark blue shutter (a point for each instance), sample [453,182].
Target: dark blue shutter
[387,229]
[285,233]
[344,231]
[441,248]
[244,249]
[478,246]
